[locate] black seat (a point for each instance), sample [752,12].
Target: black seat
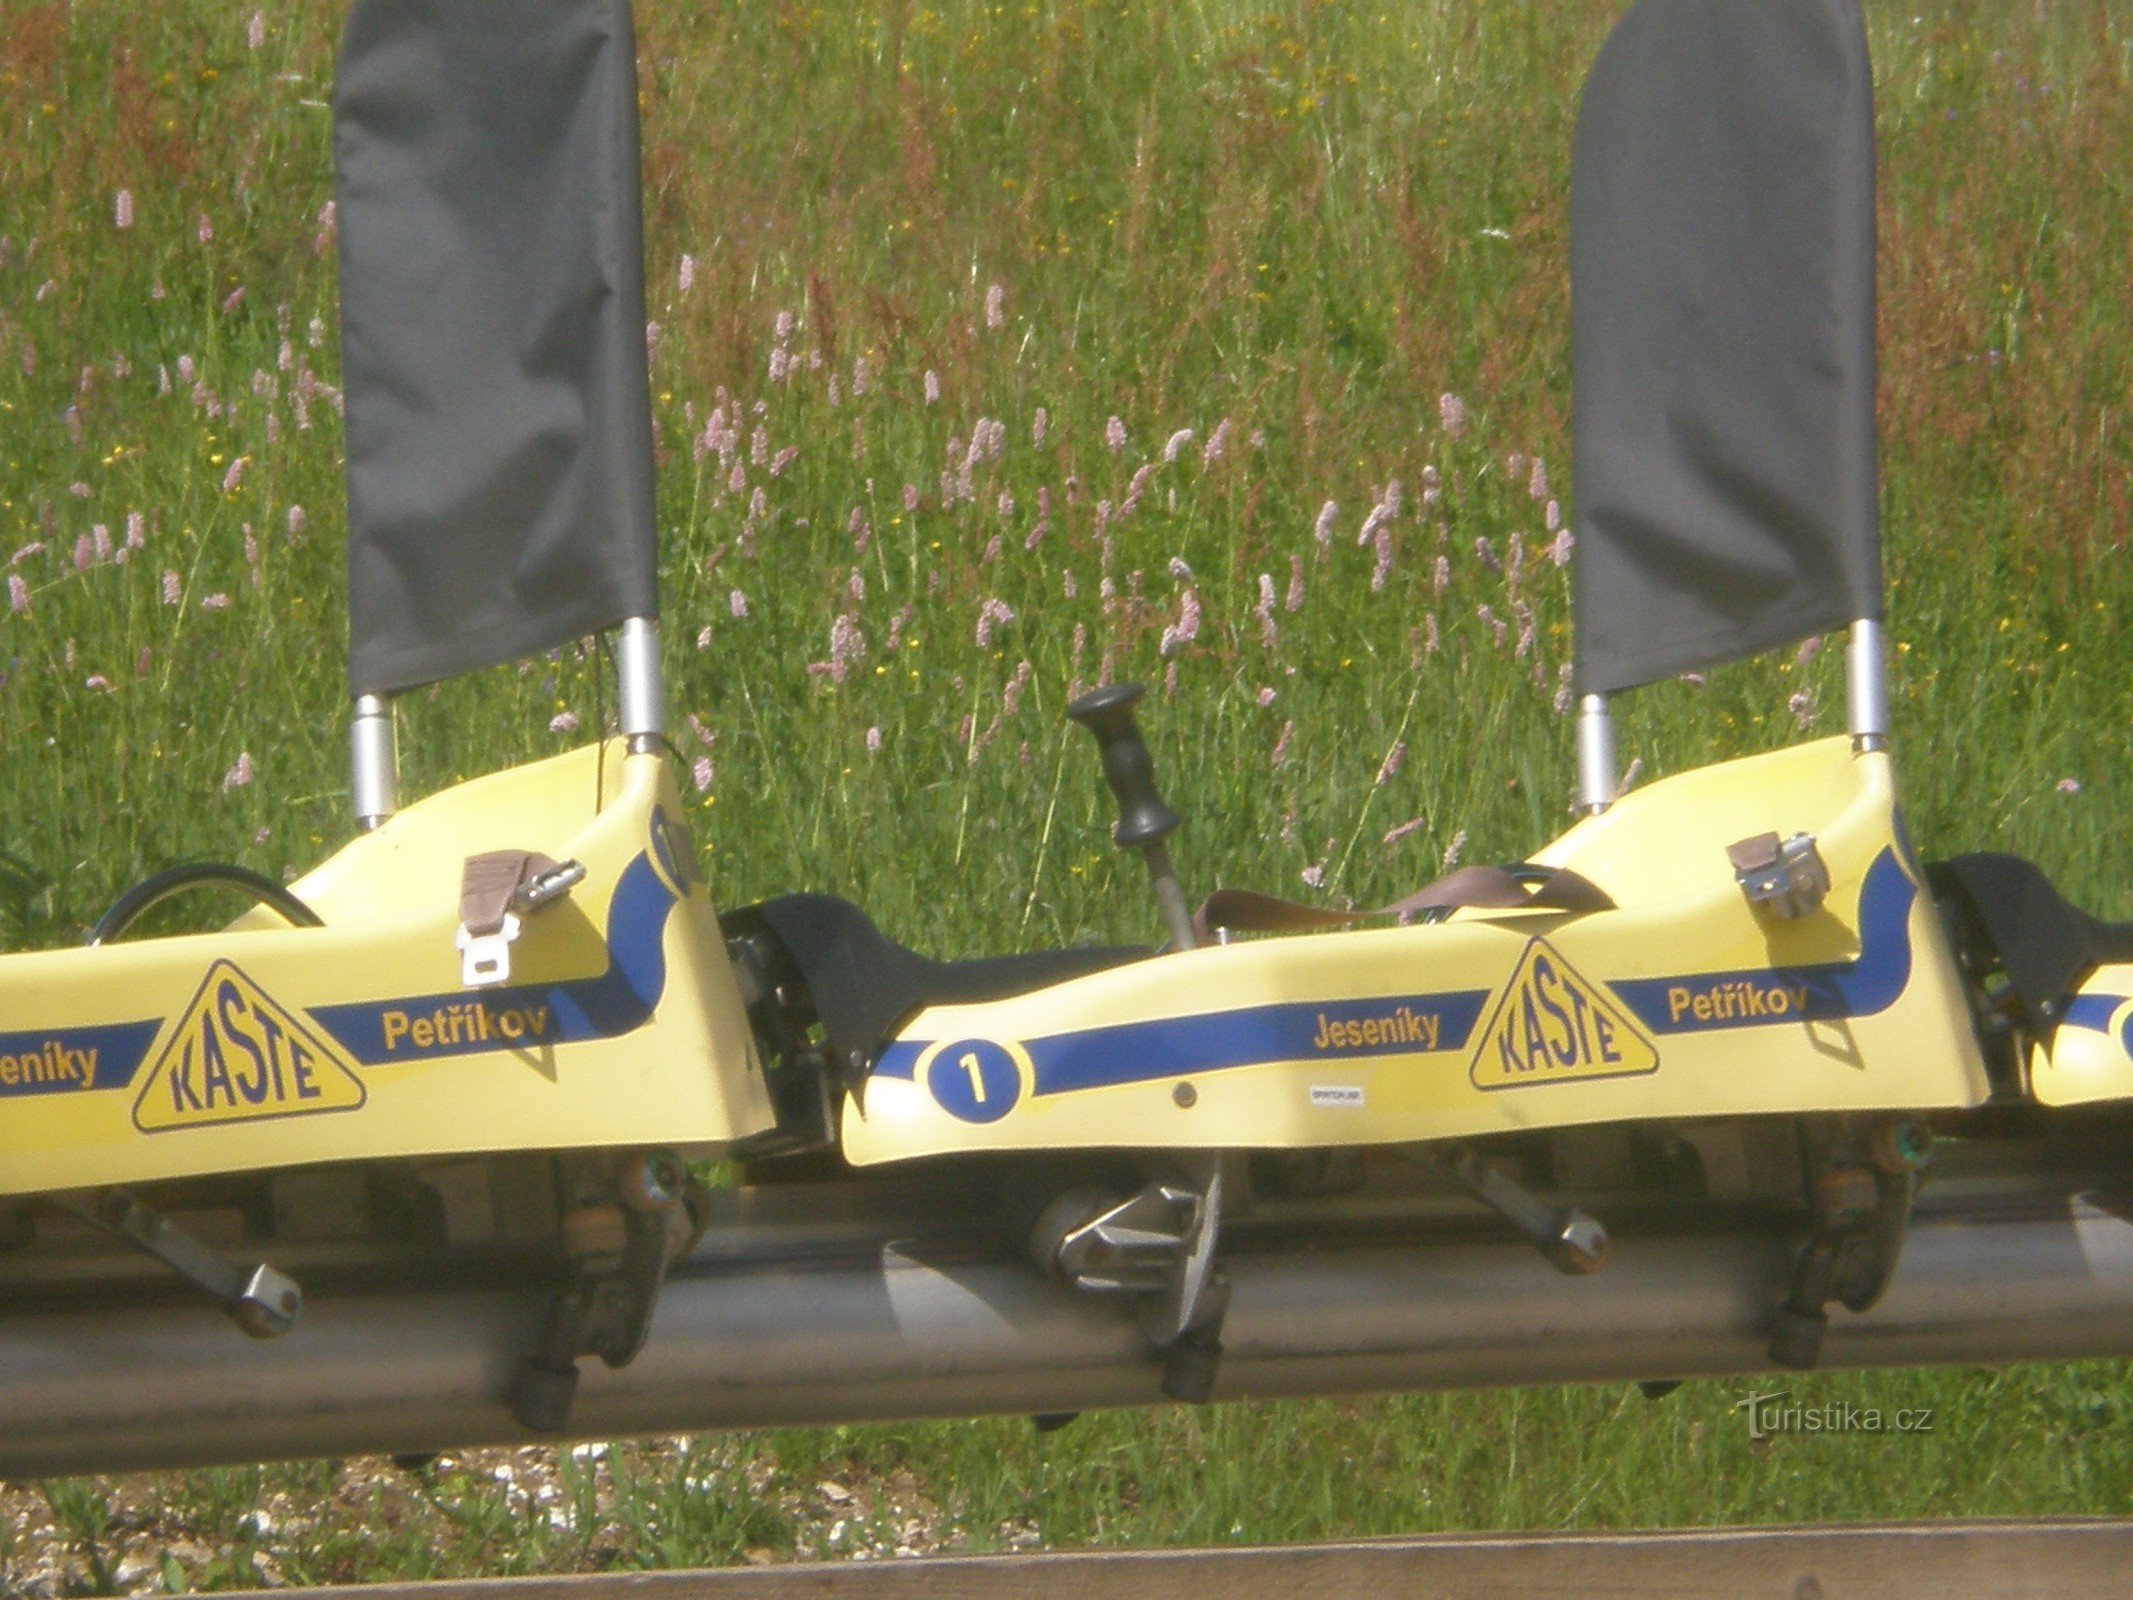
[2044,942]
[864,985]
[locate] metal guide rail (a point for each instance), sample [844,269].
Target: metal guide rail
[845,1302]
[1983,1560]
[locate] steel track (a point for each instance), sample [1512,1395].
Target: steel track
[853,1302]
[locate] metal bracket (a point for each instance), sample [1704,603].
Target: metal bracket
[617,1250]
[1574,1241]
[1861,1182]
[260,1300]
[1788,876]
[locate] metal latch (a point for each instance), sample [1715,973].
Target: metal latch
[497,891]
[1786,875]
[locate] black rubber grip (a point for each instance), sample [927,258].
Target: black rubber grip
[1108,714]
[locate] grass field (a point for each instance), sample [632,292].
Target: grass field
[1000,347]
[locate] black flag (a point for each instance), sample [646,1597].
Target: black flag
[492,332]
[1722,336]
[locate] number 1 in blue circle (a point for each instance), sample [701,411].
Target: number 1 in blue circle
[975,1080]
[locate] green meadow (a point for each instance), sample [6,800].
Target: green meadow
[999,348]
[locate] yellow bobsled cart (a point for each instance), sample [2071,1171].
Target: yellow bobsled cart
[505,1017]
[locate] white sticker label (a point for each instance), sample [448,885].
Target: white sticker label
[1336,1094]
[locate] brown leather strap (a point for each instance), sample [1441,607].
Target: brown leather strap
[489,882]
[1481,888]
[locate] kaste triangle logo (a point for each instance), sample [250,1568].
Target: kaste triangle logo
[1551,1026]
[238,1055]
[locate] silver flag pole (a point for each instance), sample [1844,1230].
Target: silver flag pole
[1867,686]
[374,761]
[643,708]
[1597,774]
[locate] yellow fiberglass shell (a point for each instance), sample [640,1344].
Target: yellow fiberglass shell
[2089,1056]
[268,1046]
[1683,1001]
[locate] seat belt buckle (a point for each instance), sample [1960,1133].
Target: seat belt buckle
[485,958]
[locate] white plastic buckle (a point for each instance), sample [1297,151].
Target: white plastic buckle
[485,958]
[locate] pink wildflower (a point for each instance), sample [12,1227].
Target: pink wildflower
[1322,529]
[702,774]
[1294,599]
[1451,412]
[992,614]
[1217,442]
[563,722]
[1115,435]
[737,603]
[18,594]
[848,646]
[1381,514]
[241,774]
[996,307]
[122,208]
[933,387]
[1175,444]
[171,591]
[873,741]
